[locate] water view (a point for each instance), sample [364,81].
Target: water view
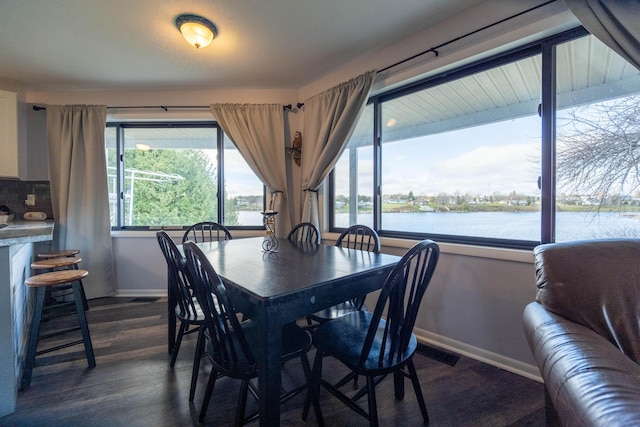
[501,225]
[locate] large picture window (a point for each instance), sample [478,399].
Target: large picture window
[177,174]
[597,144]
[463,156]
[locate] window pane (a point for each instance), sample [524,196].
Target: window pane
[463,158]
[244,192]
[353,177]
[112,173]
[170,176]
[598,149]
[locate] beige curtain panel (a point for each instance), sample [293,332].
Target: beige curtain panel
[257,130]
[79,192]
[329,120]
[614,22]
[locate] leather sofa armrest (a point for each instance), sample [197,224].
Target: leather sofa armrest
[589,381]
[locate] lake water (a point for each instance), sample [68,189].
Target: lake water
[500,225]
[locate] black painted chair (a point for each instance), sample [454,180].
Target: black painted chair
[187,309]
[305,232]
[206,231]
[358,237]
[375,347]
[230,342]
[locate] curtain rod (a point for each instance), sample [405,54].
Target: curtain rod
[166,107]
[434,49]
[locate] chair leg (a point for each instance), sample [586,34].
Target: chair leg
[242,402]
[85,303]
[84,326]
[416,387]
[33,339]
[350,376]
[371,395]
[196,362]
[398,383]
[207,394]
[176,346]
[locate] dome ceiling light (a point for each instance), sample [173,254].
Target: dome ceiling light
[196,30]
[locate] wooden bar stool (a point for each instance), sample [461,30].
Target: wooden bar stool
[64,263]
[59,254]
[60,263]
[41,282]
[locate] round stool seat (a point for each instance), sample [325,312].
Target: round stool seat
[56,278]
[50,263]
[58,254]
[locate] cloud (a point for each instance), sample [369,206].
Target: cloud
[481,170]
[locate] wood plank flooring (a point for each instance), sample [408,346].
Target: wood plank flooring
[133,385]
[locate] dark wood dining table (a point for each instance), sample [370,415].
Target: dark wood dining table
[274,289]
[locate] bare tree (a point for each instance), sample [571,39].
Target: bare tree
[598,152]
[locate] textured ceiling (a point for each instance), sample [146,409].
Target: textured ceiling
[115,44]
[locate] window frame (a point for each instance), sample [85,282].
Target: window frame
[547,181]
[220,145]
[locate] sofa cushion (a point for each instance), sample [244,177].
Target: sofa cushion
[588,381]
[595,283]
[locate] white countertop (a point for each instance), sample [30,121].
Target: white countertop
[17,232]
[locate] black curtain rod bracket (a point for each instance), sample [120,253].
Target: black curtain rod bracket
[299,105]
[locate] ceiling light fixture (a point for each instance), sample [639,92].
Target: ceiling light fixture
[196,30]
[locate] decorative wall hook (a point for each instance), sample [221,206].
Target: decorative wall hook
[296,148]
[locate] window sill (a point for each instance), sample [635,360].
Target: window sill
[514,255]
[503,254]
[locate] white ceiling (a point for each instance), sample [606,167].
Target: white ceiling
[119,44]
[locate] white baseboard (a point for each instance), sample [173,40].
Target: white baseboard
[141,293]
[499,361]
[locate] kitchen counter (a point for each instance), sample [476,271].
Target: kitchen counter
[17,249]
[17,232]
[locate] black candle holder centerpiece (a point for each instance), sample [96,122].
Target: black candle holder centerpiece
[270,242]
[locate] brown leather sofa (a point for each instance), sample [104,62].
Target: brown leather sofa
[584,331]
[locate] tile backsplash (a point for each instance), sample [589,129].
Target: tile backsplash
[13,194]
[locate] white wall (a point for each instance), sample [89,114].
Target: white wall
[474,306]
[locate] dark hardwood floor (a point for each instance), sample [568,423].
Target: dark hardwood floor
[133,384]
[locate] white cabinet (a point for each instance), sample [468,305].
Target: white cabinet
[23,140]
[9,147]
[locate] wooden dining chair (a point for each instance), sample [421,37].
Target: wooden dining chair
[358,237]
[373,346]
[230,343]
[305,232]
[206,231]
[187,309]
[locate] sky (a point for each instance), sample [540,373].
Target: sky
[500,157]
